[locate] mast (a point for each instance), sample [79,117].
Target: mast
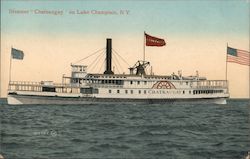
[144,46]
[226,61]
[10,66]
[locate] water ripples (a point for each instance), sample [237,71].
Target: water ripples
[126,131]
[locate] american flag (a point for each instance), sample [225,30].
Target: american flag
[238,56]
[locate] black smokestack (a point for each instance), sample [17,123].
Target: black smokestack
[109,57]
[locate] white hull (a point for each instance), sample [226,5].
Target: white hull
[55,100]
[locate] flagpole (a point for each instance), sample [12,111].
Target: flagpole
[144,46]
[10,66]
[226,61]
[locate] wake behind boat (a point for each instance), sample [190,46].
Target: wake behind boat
[83,87]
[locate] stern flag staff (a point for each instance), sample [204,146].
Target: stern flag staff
[15,54]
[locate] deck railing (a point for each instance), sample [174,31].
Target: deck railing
[104,85]
[38,86]
[210,84]
[67,87]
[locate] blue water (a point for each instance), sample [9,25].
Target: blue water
[126,131]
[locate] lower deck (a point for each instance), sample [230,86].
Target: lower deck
[17,99]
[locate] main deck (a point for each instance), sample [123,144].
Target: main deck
[109,83]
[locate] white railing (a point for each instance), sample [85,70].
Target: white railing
[210,84]
[38,86]
[24,83]
[104,85]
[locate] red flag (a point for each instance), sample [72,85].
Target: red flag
[154,41]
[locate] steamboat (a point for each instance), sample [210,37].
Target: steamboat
[83,87]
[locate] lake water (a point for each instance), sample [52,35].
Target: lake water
[126,131]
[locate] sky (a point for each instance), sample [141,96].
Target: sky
[197,33]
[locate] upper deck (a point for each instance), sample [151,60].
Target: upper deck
[110,83]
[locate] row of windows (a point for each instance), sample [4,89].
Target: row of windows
[131,91]
[92,76]
[107,77]
[144,91]
[145,82]
[158,78]
[183,92]
[139,82]
[117,82]
[89,90]
[207,91]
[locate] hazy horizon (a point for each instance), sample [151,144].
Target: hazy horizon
[196,33]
